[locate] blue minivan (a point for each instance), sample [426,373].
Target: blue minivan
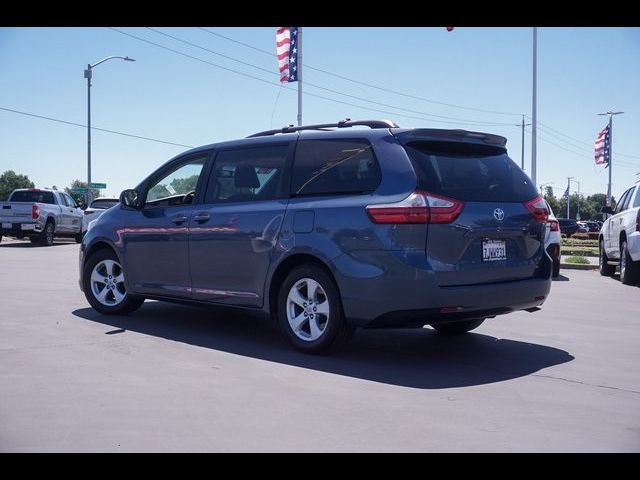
[330,227]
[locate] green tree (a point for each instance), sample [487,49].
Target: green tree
[553,201]
[80,197]
[10,180]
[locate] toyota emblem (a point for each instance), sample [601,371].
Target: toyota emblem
[498,213]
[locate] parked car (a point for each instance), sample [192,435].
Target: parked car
[593,226]
[583,227]
[619,240]
[553,240]
[327,228]
[568,226]
[95,209]
[40,215]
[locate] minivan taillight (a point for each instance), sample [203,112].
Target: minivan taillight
[538,208]
[554,225]
[35,212]
[419,207]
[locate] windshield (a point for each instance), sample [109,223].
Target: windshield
[469,172]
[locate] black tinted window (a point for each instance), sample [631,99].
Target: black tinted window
[247,174]
[334,167]
[469,172]
[103,204]
[33,196]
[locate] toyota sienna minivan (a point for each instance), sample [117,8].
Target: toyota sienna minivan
[330,227]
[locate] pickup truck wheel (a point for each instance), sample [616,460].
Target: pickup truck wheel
[46,237]
[628,268]
[455,328]
[606,270]
[104,286]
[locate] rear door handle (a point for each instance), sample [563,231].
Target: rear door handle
[201,217]
[179,219]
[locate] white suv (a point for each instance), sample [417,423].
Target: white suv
[619,239]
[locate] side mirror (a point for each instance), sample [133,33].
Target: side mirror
[606,209]
[130,198]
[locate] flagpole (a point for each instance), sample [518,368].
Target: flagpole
[610,114]
[299,76]
[568,195]
[534,123]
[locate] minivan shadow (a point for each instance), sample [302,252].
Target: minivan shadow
[418,358]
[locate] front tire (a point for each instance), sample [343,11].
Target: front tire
[310,311]
[628,268]
[606,270]
[104,286]
[457,328]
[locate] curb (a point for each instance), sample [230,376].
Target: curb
[578,266]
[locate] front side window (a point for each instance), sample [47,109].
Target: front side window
[178,187]
[248,174]
[334,167]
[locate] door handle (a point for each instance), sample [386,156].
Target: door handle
[201,217]
[179,219]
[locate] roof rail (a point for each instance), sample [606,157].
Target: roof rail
[347,122]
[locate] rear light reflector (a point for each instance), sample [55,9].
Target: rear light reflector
[35,212]
[419,207]
[451,309]
[555,226]
[538,208]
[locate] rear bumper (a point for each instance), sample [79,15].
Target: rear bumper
[394,292]
[19,229]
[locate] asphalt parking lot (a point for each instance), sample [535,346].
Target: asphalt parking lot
[177,378]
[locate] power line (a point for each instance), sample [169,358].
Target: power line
[377,87]
[320,87]
[94,128]
[178,52]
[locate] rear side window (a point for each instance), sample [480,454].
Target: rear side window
[467,172]
[624,200]
[248,174]
[334,167]
[33,196]
[636,201]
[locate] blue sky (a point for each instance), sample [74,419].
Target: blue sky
[170,97]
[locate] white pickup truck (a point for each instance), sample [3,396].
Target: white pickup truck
[40,215]
[620,238]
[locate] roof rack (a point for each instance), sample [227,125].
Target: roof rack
[347,122]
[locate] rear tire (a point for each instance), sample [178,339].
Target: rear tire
[628,268]
[606,270]
[104,286]
[46,237]
[556,268]
[457,328]
[310,311]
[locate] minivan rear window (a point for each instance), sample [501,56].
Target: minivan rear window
[32,196]
[469,172]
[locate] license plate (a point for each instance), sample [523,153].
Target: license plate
[493,250]
[28,226]
[6,225]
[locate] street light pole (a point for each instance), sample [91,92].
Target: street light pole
[578,208]
[88,73]
[568,194]
[522,153]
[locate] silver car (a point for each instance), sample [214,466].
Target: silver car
[95,209]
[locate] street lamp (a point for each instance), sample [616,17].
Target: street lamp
[88,75]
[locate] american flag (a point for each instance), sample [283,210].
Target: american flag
[566,193]
[603,147]
[287,52]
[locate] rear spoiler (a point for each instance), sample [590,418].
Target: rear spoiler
[439,135]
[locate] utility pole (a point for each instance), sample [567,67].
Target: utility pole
[534,96]
[568,195]
[610,114]
[522,155]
